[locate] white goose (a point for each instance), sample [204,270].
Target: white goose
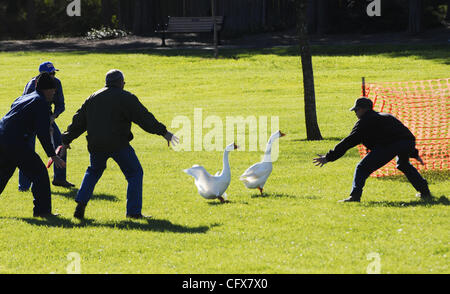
[257,175]
[212,187]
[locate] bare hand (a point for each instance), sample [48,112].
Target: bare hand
[320,161]
[63,150]
[171,138]
[58,162]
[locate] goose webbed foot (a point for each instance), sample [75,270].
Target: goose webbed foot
[222,200]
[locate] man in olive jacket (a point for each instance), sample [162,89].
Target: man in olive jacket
[386,137]
[107,116]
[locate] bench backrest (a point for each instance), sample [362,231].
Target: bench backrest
[193,24]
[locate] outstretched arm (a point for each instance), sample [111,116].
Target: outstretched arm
[140,115]
[353,139]
[77,127]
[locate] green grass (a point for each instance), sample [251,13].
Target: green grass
[296,227]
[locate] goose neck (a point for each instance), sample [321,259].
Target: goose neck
[226,164]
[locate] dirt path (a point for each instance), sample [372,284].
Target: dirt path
[192,41]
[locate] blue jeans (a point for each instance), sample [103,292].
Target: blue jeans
[379,156]
[130,167]
[59,174]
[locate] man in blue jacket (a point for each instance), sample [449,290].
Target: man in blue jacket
[386,137]
[59,174]
[29,116]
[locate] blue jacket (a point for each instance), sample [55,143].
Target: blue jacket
[29,115]
[58,100]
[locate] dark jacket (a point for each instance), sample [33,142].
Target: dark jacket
[58,99]
[107,116]
[372,130]
[29,115]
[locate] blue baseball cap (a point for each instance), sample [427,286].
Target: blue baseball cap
[47,67]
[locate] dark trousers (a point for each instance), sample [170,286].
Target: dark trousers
[129,165]
[33,168]
[59,174]
[379,156]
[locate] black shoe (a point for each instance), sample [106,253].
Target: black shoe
[64,184]
[79,211]
[46,215]
[138,216]
[426,196]
[351,199]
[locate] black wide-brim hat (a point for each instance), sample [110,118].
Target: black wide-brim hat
[45,81]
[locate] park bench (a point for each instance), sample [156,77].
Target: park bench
[190,25]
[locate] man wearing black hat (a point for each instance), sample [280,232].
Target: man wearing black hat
[59,174]
[107,116]
[386,137]
[29,115]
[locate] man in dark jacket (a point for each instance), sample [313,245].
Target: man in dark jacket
[59,174]
[29,116]
[386,137]
[107,116]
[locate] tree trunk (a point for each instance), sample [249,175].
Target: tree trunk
[311,16]
[31,19]
[263,16]
[415,15]
[119,14]
[213,14]
[137,21]
[323,23]
[447,17]
[312,127]
[106,12]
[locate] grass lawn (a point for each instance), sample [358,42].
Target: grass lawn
[296,227]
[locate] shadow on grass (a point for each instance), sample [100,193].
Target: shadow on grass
[71,194]
[218,203]
[273,195]
[434,176]
[153,225]
[336,139]
[436,201]
[436,52]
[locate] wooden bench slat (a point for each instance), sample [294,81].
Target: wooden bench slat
[203,21]
[191,25]
[194,17]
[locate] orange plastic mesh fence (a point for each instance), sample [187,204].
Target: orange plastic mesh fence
[424,107]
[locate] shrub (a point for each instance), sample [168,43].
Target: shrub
[105,33]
